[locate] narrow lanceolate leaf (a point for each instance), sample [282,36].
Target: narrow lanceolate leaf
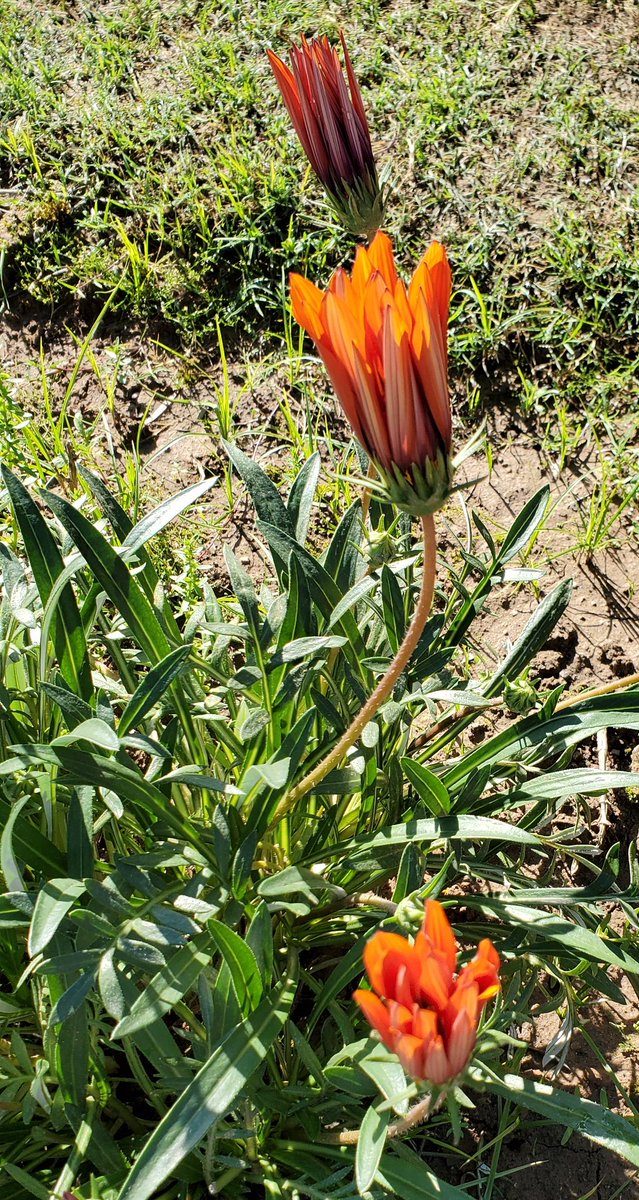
[155,521]
[522,529]
[534,636]
[570,938]
[372,1139]
[301,496]
[409,1177]
[27,842]
[8,861]
[152,688]
[173,981]
[263,492]
[114,576]
[582,781]
[584,1116]
[242,965]
[428,786]
[462,828]
[210,1095]
[552,736]
[52,904]
[107,773]
[47,564]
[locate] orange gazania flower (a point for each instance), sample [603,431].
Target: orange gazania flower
[385,347]
[330,121]
[423,1010]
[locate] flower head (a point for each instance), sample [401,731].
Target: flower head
[331,124]
[385,347]
[423,1010]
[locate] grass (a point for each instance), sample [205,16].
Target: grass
[145,147]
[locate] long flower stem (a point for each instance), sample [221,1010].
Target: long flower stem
[387,683]
[604,690]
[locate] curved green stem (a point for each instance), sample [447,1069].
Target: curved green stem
[386,684]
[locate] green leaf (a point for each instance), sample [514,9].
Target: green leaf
[386,1073]
[269,505]
[84,768]
[171,982]
[244,590]
[95,731]
[161,516]
[534,636]
[564,1108]
[72,999]
[342,557]
[326,595]
[114,577]
[462,828]
[306,647]
[52,904]
[301,496]
[119,520]
[27,842]
[47,564]
[552,735]
[242,964]
[393,607]
[370,1146]
[152,688]
[522,529]
[584,781]
[8,861]
[210,1096]
[570,937]
[428,786]
[73,707]
[406,1175]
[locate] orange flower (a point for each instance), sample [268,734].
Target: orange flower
[331,124]
[385,348]
[425,1013]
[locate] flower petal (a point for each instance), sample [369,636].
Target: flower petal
[436,1066]
[384,954]
[439,931]
[376,1014]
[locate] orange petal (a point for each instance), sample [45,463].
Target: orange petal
[409,1050]
[375,1012]
[370,412]
[435,979]
[436,1066]
[425,1025]
[401,1018]
[384,954]
[430,362]
[380,253]
[487,951]
[461,1042]
[439,931]
[436,260]
[400,390]
[482,972]
[306,302]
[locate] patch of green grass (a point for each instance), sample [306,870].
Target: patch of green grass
[147,147]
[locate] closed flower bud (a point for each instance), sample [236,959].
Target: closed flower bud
[328,115]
